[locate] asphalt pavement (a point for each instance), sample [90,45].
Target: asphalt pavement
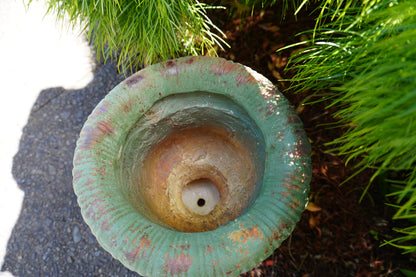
[50,237]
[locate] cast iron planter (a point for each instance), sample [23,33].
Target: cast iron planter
[193,167]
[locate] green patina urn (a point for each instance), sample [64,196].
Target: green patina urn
[194,167]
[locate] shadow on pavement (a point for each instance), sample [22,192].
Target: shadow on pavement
[50,237]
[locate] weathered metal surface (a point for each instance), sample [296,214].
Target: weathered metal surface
[188,137]
[112,187]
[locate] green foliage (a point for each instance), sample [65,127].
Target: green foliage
[408,273]
[268,3]
[143,31]
[367,55]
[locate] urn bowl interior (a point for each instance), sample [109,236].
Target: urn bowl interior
[192,162]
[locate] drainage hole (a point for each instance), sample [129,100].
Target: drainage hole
[201,202]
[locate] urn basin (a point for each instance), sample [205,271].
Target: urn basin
[197,166]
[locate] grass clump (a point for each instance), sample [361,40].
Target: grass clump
[142,32]
[366,54]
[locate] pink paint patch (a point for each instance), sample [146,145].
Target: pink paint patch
[178,264]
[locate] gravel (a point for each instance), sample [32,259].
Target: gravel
[50,237]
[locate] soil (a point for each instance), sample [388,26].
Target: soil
[337,235]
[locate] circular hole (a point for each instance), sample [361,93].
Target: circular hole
[201,202]
[200,196]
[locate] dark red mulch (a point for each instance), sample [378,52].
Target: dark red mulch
[340,236]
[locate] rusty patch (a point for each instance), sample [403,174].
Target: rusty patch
[127,107]
[105,128]
[224,69]
[303,146]
[303,149]
[244,77]
[93,134]
[140,251]
[100,171]
[277,233]
[294,205]
[183,247]
[241,79]
[144,241]
[171,63]
[96,210]
[284,195]
[270,109]
[178,264]
[134,80]
[190,60]
[276,236]
[105,226]
[170,69]
[244,235]
[289,185]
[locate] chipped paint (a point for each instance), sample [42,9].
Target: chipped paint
[105,226]
[245,234]
[268,92]
[223,69]
[101,171]
[171,63]
[294,204]
[127,107]
[178,264]
[140,252]
[190,60]
[105,128]
[182,247]
[170,68]
[284,195]
[134,80]
[94,134]
[302,150]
